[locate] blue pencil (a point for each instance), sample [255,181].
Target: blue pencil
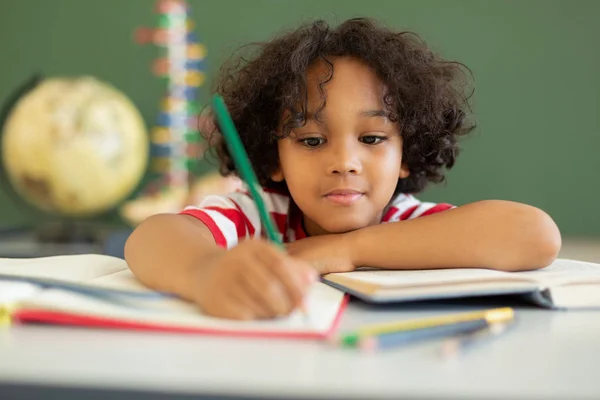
[395,339]
[452,347]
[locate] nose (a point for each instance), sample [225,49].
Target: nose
[344,159]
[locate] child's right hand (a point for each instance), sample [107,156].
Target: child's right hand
[254,280]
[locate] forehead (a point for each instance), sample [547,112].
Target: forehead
[353,84]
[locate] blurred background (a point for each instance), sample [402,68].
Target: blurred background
[83,160]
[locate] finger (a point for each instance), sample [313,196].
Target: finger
[310,274]
[307,272]
[288,273]
[266,288]
[236,312]
[256,275]
[244,294]
[280,270]
[228,307]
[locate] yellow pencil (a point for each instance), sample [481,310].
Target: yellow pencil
[5,314]
[491,316]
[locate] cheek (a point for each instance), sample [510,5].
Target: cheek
[389,160]
[293,164]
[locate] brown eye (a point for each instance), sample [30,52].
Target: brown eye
[372,139]
[312,142]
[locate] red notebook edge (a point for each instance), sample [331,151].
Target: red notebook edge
[25,316]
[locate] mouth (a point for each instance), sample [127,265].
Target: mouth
[344,197]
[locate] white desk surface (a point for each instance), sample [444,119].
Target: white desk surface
[549,354]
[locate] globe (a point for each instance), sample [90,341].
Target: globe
[74,146]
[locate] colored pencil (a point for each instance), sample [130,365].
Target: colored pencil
[244,168]
[455,346]
[400,338]
[241,161]
[352,338]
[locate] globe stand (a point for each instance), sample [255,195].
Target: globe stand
[54,238]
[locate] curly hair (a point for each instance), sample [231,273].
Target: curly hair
[426,95]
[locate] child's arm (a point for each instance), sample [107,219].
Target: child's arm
[177,254]
[487,234]
[164,249]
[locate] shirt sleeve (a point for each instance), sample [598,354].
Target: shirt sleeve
[406,206]
[229,218]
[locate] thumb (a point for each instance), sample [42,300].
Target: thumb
[308,272]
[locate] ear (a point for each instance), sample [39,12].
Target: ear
[404,172]
[277,176]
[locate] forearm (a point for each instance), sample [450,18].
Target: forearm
[167,251]
[487,234]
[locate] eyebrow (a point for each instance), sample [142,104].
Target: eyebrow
[374,113]
[365,113]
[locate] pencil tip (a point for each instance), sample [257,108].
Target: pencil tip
[368,344]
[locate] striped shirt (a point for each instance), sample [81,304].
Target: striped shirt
[234,217]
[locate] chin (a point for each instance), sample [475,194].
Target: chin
[343,226]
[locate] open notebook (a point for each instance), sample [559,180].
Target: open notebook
[564,284]
[100,291]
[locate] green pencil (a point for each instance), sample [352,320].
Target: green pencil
[241,161]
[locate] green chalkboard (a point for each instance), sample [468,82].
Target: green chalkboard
[536,65]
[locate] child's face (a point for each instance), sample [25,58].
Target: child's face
[342,171]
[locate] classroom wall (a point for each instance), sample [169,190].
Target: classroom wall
[536,65]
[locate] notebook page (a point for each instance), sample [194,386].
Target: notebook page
[322,305]
[71,268]
[563,271]
[576,296]
[11,292]
[407,278]
[71,273]
[121,280]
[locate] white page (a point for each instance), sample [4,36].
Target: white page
[322,303]
[71,268]
[122,280]
[576,296]
[401,278]
[70,272]
[563,271]
[322,306]
[11,292]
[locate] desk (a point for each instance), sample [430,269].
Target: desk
[549,354]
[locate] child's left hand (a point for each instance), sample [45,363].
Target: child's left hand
[326,253]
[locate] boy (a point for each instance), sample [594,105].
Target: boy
[342,126]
